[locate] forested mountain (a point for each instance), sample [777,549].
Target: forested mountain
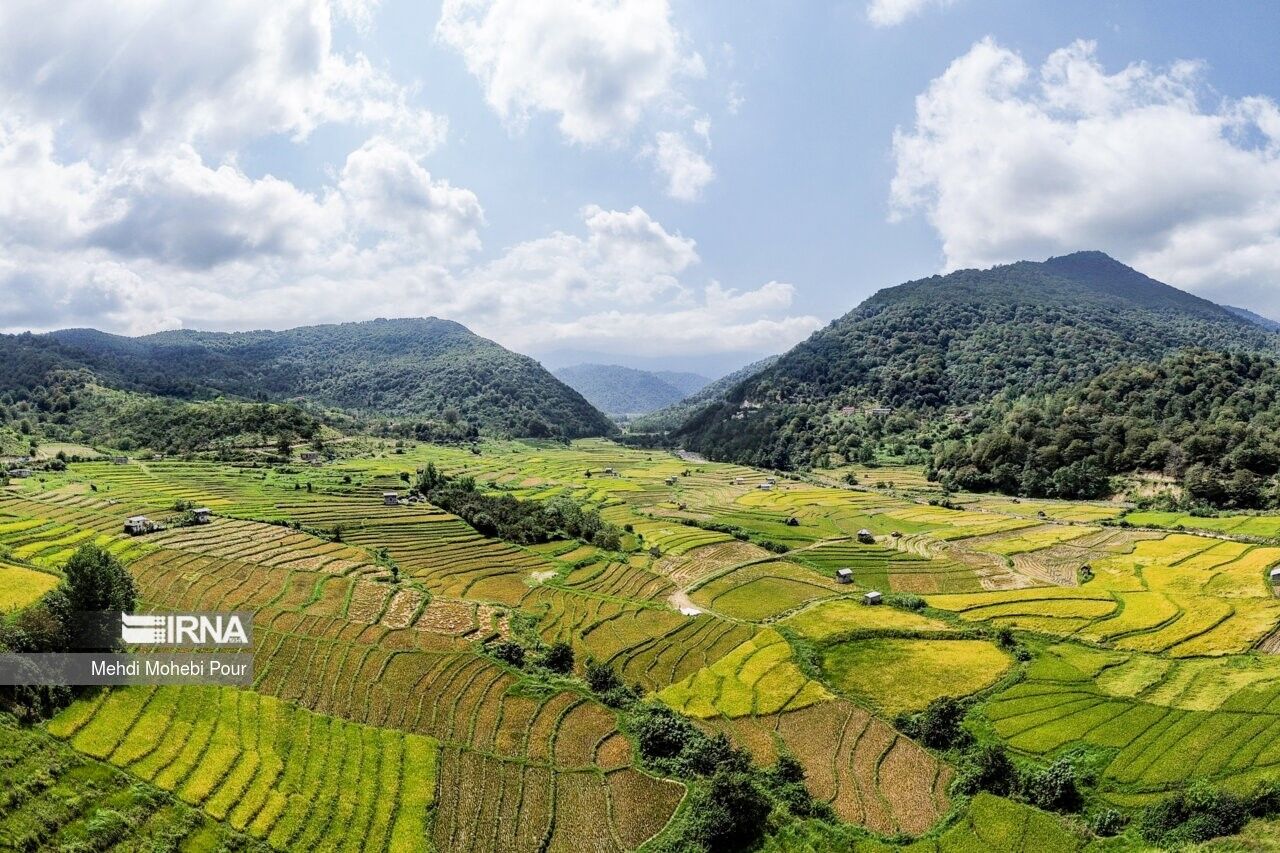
[955,342]
[1209,420]
[685,383]
[619,390]
[428,373]
[678,413]
[1257,319]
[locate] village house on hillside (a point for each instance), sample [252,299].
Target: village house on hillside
[136,525]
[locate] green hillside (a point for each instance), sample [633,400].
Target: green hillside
[427,371]
[620,390]
[955,342]
[674,415]
[1210,420]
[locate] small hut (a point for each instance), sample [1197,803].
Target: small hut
[872,597]
[390,499]
[1275,575]
[136,525]
[671,481]
[20,473]
[202,514]
[866,537]
[844,575]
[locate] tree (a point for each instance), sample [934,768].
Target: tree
[990,769]
[601,677]
[94,582]
[730,815]
[558,657]
[508,651]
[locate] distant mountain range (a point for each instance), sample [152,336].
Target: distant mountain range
[956,342]
[625,391]
[430,371]
[676,414]
[1257,319]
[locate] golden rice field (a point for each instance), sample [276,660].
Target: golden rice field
[378,721]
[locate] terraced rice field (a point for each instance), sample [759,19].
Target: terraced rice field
[870,774]
[377,721]
[20,586]
[844,616]
[1179,594]
[269,769]
[1164,722]
[57,799]
[895,674]
[758,677]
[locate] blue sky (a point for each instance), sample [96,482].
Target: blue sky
[676,184]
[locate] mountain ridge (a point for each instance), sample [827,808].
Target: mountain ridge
[424,370]
[947,342]
[626,391]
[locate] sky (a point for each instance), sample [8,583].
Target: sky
[660,183]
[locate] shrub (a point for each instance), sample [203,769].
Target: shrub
[905,601]
[508,652]
[988,768]
[558,657]
[729,814]
[937,726]
[1197,814]
[601,677]
[1054,788]
[1108,822]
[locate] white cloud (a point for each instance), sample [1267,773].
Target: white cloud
[149,73]
[602,67]
[598,64]
[124,205]
[686,170]
[890,13]
[1009,161]
[388,191]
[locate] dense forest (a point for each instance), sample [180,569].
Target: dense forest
[952,343]
[69,405]
[432,374]
[1209,420]
[671,417]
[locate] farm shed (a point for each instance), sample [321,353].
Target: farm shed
[866,537]
[1275,575]
[873,597]
[20,473]
[671,481]
[202,514]
[120,460]
[844,575]
[390,499]
[765,486]
[136,525]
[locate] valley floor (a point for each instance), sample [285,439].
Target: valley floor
[379,721]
